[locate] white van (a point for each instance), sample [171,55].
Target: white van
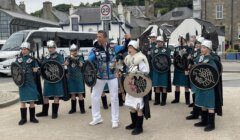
[2,42]
[38,40]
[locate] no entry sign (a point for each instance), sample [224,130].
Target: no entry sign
[105,11]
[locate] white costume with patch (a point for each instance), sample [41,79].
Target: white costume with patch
[136,63]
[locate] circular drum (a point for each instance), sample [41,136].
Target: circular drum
[204,76]
[137,84]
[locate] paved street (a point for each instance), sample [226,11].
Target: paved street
[166,123]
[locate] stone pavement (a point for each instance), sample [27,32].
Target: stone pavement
[8,94]
[166,123]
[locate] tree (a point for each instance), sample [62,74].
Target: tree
[62,7]
[96,4]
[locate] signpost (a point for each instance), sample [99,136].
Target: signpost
[105,11]
[106,15]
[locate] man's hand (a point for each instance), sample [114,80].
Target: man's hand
[35,69]
[66,63]
[80,64]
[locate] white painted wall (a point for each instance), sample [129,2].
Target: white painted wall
[187,26]
[113,33]
[190,26]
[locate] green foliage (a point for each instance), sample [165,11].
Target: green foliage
[163,10]
[131,2]
[62,7]
[163,5]
[37,13]
[230,50]
[96,4]
[171,4]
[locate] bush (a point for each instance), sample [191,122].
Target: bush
[230,50]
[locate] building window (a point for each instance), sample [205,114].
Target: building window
[219,11]
[90,30]
[75,26]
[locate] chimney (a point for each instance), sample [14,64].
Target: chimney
[22,6]
[120,12]
[47,10]
[71,10]
[128,16]
[47,7]
[13,5]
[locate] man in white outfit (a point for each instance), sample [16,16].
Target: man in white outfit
[104,57]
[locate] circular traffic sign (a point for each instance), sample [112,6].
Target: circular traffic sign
[105,10]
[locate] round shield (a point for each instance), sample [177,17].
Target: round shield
[18,74]
[89,74]
[137,85]
[161,63]
[204,76]
[178,63]
[52,71]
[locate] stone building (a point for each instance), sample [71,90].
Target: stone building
[12,6]
[224,14]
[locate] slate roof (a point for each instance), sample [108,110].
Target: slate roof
[178,13]
[29,17]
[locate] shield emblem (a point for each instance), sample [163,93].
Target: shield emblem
[137,84]
[52,71]
[178,63]
[204,76]
[89,74]
[18,74]
[161,63]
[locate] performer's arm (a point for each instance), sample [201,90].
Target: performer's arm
[91,56]
[143,67]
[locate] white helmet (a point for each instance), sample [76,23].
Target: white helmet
[25,45]
[153,34]
[160,38]
[182,36]
[208,44]
[134,44]
[51,44]
[73,47]
[200,39]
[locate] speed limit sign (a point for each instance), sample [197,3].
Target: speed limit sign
[106,11]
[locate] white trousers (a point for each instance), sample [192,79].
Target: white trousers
[96,96]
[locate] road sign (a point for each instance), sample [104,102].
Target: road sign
[106,11]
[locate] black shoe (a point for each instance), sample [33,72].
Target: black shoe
[134,120]
[204,120]
[44,111]
[177,97]
[157,99]
[138,129]
[32,115]
[187,98]
[164,99]
[191,105]
[195,114]
[55,107]
[73,107]
[120,99]
[104,102]
[193,98]
[150,95]
[23,116]
[211,123]
[81,106]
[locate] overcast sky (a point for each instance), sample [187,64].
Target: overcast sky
[34,5]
